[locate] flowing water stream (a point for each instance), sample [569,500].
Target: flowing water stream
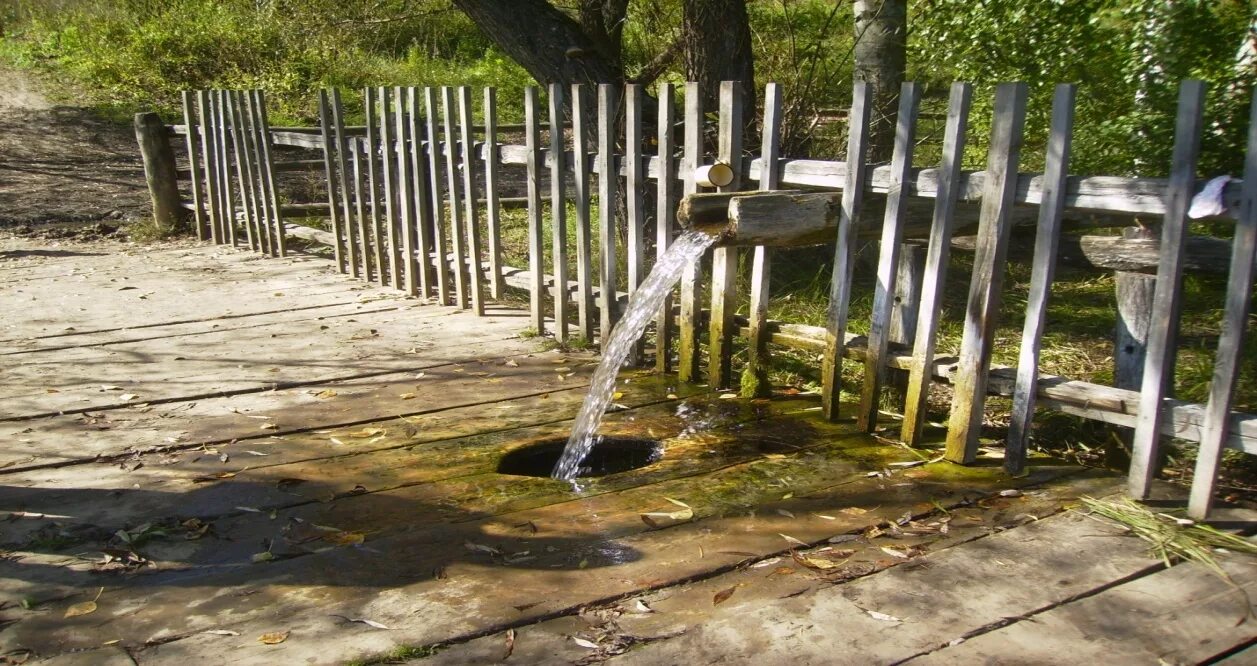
[642,307]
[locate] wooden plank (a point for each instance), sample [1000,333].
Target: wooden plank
[493,221]
[558,209]
[585,311]
[253,163]
[691,290]
[1167,301]
[440,246]
[252,226]
[268,170]
[844,251]
[405,192]
[372,244]
[665,218]
[371,150]
[536,241]
[194,164]
[330,172]
[985,287]
[459,260]
[608,183]
[209,153]
[346,222]
[634,190]
[888,263]
[1045,249]
[421,202]
[934,279]
[724,260]
[1230,354]
[224,167]
[472,221]
[389,178]
[761,261]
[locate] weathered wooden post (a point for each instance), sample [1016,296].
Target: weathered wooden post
[904,309]
[159,171]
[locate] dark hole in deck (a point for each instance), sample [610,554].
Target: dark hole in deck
[611,455]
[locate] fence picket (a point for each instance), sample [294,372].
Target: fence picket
[635,181]
[1167,299]
[584,227]
[536,242]
[450,149]
[493,221]
[224,166]
[761,261]
[253,164]
[665,217]
[844,252]
[329,171]
[982,313]
[724,260]
[691,290]
[472,218]
[192,136]
[1046,243]
[608,180]
[268,170]
[405,193]
[369,258]
[371,153]
[934,279]
[558,213]
[345,232]
[890,251]
[209,155]
[440,246]
[421,200]
[236,123]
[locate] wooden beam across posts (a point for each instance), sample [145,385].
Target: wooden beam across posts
[352,240]
[665,218]
[267,162]
[844,250]
[440,244]
[691,290]
[1047,238]
[406,215]
[421,198]
[608,180]
[236,127]
[634,185]
[1226,368]
[934,279]
[536,242]
[371,152]
[724,260]
[584,225]
[1167,301]
[986,284]
[330,171]
[761,262]
[888,264]
[558,211]
[472,218]
[192,137]
[209,153]
[493,220]
[450,149]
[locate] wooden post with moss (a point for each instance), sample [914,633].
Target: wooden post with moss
[159,171]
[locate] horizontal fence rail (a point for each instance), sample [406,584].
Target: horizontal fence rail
[413,202]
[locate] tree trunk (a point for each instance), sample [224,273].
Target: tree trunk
[881,32]
[717,36]
[603,22]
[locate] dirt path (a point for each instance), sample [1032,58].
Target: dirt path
[61,163]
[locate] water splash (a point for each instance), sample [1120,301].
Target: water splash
[642,306]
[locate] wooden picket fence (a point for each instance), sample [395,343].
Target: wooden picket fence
[404,211]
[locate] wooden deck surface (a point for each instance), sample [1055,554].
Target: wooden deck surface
[214,447]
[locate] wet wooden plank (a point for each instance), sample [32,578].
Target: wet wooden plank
[844,251]
[492,205]
[691,289]
[440,244]
[1046,242]
[936,260]
[330,167]
[889,257]
[558,211]
[195,185]
[536,240]
[472,215]
[757,359]
[608,184]
[1167,300]
[584,296]
[1230,354]
[724,260]
[986,284]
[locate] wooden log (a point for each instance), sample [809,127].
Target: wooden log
[209,153]
[332,177]
[985,287]
[1056,170]
[406,213]
[558,210]
[608,181]
[440,245]
[1201,253]
[536,242]
[1166,304]
[236,131]
[844,252]
[194,166]
[459,262]
[1230,354]
[159,171]
[665,217]
[724,260]
[634,188]
[755,382]
[1134,292]
[421,198]
[888,264]
[493,220]
[269,184]
[472,220]
[691,290]
[585,310]
[372,152]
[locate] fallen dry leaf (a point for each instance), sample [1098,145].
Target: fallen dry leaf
[208,478]
[83,608]
[797,542]
[882,616]
[407,396]
[723,595]
[273,638]
[589,645]
[345,538]
[325,394]
[510,643]
[366,432]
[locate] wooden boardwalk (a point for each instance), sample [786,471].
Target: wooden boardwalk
[204,448]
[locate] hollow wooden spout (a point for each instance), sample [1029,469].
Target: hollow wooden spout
[781,219]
